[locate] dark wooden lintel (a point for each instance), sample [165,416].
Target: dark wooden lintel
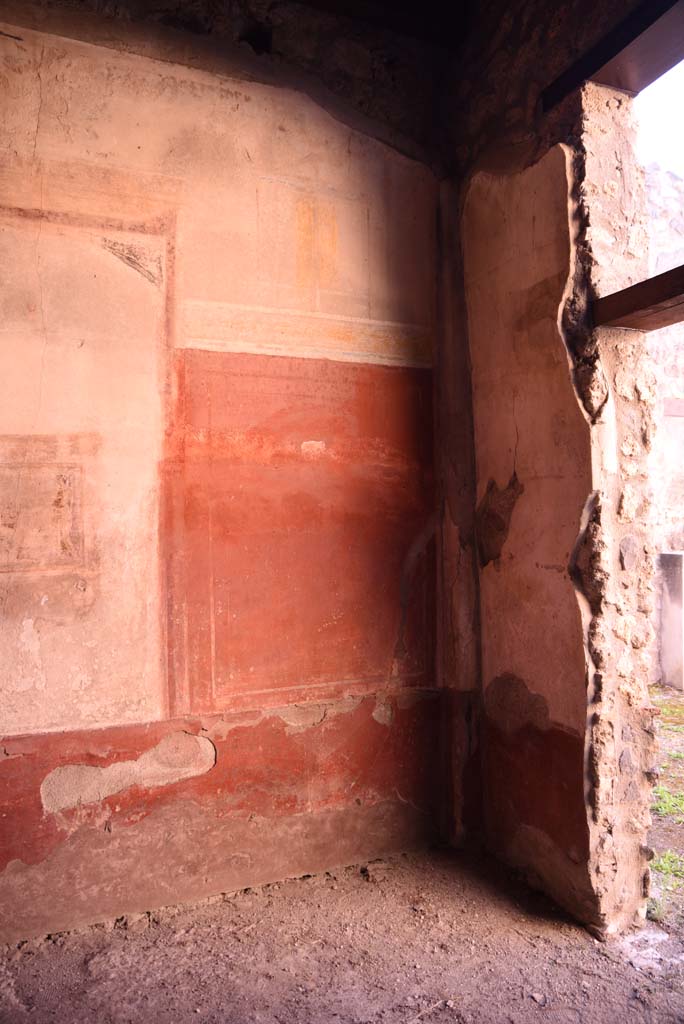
[641,48]
[649,56]
[646,306]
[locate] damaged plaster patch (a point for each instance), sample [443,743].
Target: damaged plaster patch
[301,716]
[295,717]
[298,717]
[493,518]
[382,712]
[178,756]
[29,638]
[313,449]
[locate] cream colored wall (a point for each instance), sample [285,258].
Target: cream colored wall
[518,262]
[279,207]
[534,461]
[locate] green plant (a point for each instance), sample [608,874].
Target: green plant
[669,864]
[667,804]
[671,710]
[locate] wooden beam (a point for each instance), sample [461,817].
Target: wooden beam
[624,60]
[651,54]
[647,306]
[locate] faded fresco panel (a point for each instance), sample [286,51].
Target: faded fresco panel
[81,364]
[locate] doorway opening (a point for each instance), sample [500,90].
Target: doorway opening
[660,150]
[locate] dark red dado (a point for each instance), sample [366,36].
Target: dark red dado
[293,790]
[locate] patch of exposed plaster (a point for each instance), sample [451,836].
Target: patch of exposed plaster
[29,638]
[493,518]
[313,449]
[382,712]
[298,717]
[178,756]
[295,717]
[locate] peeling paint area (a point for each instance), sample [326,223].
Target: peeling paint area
[178,756]
[304,716]
[138,258]
[141,816]
[493,518]
[382,712]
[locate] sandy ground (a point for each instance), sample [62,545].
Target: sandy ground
[422,937]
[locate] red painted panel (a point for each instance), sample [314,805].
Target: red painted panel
[535,777]
[298,530]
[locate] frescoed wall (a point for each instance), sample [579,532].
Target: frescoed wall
[216,495]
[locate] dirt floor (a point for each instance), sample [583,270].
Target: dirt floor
[435,938]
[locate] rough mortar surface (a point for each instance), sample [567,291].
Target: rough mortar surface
[615,558]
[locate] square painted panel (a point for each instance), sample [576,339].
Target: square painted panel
[304,561]
[40,517]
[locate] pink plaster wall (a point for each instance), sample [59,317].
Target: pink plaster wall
[216,493]
[518,254]
[148,208]
[533,460]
